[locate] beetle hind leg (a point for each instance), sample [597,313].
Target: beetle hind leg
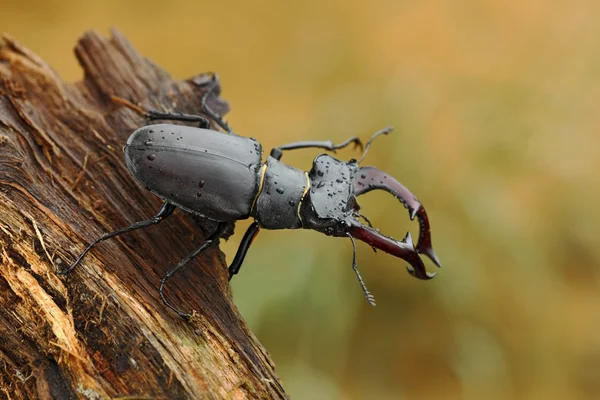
[207,243]
[166,210]
[214,86]
[154,115]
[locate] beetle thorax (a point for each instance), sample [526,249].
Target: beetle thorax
[282,188]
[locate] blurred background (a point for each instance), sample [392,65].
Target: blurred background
[495,105]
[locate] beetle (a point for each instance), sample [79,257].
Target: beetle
[222,177]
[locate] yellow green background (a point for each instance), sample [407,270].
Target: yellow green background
[496,106]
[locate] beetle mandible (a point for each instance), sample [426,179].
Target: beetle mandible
[222,177]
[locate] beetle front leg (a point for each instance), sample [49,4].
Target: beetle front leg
[277,152]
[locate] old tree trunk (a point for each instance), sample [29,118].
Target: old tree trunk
[102,332]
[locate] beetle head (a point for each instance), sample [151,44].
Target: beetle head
[333,209]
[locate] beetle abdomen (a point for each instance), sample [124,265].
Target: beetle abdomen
[204,172]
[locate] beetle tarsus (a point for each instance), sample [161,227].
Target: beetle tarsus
[207,243]
[166,210]
[368,295]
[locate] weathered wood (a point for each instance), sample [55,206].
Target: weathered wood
[102,332]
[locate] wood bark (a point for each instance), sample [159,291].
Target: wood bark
[102,331]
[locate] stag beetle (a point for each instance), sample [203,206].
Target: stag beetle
[221,177]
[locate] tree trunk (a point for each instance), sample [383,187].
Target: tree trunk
[102,332]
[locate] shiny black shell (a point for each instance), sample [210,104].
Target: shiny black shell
[201,171]
[277,206]
[331,192]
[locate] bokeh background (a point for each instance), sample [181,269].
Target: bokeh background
[496,109]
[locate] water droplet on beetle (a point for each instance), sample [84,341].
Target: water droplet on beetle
[291,203]
[338,180]
[198,194]
[150,131]
[201,184]
[320,173]
[279,190]
[151,157]
[363,176]
[321,184]
[148,142]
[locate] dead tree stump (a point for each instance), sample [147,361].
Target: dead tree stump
[102,332]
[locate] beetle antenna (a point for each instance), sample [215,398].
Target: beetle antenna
[384,131]
[368,295]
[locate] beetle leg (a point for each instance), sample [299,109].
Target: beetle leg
[249,236]
[153,115]
[277,152]
[368,295]
[214,87]
[166,210]
[207,243]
